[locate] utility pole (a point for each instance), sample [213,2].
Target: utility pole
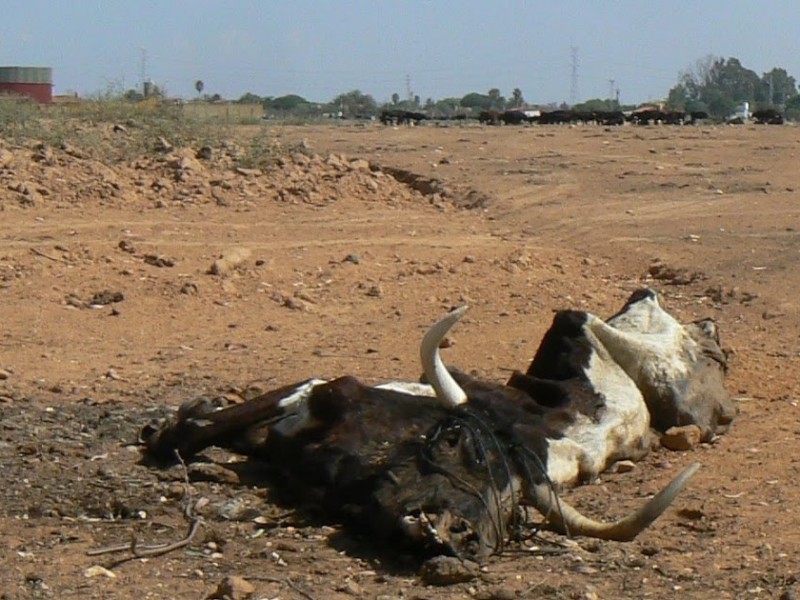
[611,83]
[409,93]
[771,91]
[573,88]
[143,66]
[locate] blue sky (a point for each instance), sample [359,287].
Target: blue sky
[320,48]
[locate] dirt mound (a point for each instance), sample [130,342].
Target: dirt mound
[64,176]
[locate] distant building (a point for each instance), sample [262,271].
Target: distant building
[32,82]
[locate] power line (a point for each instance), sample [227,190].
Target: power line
[143,67]
[573,88]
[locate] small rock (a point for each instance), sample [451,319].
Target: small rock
[447,570]
[681,438]
[212,472]
[650,550]
[496,593]
[126,246]
[352,258]
[163,145]
[4,374]
[237,509]
[230,260]
[232,587]
[352,588]
[186,163]
[98,571]
[622,466]
[158,261]
[6,158]
[248,172]
[205,153]
[105,298]
[359,164]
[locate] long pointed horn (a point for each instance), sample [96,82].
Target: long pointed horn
[567,519]
[447,390]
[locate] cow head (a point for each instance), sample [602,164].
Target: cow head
[679,368]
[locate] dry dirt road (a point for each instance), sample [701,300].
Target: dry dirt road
[110,317]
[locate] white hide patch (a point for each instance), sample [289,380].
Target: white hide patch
[295,404]
[651,346]
[409,387]
[297,416]
[590,446]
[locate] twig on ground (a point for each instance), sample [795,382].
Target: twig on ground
[38,252]
[299,590]
[154,550]
[190,512]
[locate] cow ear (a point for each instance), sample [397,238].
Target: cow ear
[709,327]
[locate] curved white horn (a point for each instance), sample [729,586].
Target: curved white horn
[567,519]
[447,390]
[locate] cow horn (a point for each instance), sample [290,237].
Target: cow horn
[447,390]
[568,520]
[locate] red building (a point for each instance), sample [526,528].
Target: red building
[33,82]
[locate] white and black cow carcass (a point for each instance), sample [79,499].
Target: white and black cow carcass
[445,466]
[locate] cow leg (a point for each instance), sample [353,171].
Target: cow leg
[197,425]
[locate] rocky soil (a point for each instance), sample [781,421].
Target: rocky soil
[129,285]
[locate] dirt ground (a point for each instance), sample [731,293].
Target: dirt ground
[111,315]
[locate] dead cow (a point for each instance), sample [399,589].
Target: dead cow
[444,467]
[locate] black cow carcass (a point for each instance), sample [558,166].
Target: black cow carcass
[447,465]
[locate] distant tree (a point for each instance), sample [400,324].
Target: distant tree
[516,98]
[496,99]
[249,98]
[447,107]
[430,105]
[477,101]
[680,100]
[792,108]
[395,98]
[596,104]
[779,87]
[156,91]
[678,97]
[718,84]
[286,103]
[199,86]
[719,104]
[133,96]
[356,103]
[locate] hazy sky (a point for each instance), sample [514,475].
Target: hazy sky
[320,48]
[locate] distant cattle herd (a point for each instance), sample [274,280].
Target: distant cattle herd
[557,117]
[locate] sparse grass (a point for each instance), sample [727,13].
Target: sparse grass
[114,130]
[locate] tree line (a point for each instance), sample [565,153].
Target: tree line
[720,86]
[714,85]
